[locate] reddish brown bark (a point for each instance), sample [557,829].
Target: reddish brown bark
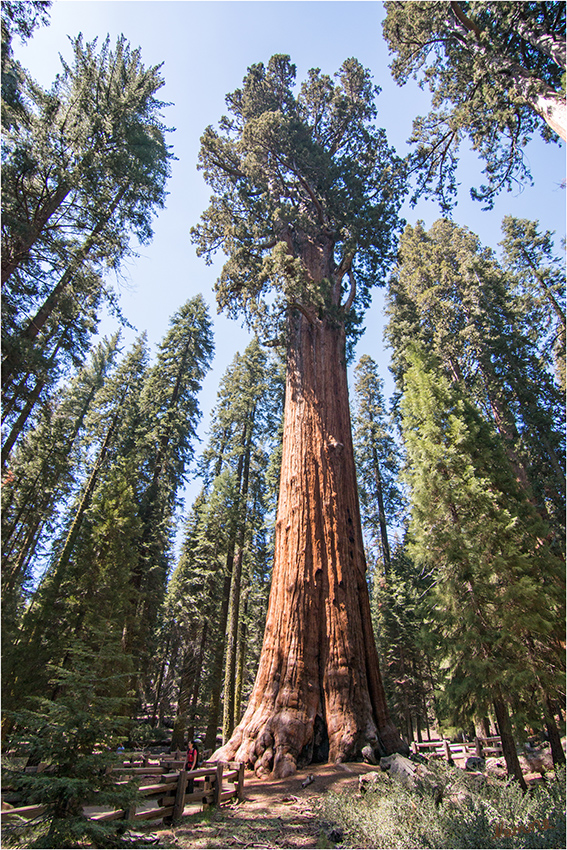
[318,675]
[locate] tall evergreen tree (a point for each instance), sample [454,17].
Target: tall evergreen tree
[306,194]
[499,576]
[19,18]
[453,295]
[111,560]
[407,648]
[377,457]
[165,438]
[60,603]
[81,178]
[42,478]
[541,285]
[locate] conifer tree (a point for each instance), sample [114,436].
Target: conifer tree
[18,18]
[42,477]
[499,574]
[541,285]
[111,560]
[54,617]
[76,735]
[306,194]
[377,458]
[496,72]
[453,295]
[401,612]
[68,211]
[164,444]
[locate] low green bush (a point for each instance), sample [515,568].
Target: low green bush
[496,814]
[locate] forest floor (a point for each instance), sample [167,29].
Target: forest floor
[282,814]
[274,814]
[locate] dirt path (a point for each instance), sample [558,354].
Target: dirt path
[277,814]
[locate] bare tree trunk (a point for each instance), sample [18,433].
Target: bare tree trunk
[217,666]
[381,512]
[554,737]
[18,252]
[319,658]
[235,592]
[197,681]
[242,646]
[508,743]
[20,422]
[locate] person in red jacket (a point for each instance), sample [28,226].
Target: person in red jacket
[192,755]
[191,763]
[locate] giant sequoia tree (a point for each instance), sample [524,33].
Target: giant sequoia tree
[306,194]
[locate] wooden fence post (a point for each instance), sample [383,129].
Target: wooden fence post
[179,804]
[478,747]
[240,784]
[206,788]
[130,813]
[447,750]
[218,784]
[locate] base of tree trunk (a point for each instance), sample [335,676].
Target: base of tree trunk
[284,745]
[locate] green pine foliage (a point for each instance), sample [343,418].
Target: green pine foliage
[82,178]
[377,461]
[496,72]
[73,736]
[110,561]
[407,647]
[471,310]
[499,579]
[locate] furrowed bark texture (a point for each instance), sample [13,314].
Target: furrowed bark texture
[318,694]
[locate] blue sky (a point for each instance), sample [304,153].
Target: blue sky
[206,48]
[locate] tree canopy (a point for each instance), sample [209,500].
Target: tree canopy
[306,194]
[497,75]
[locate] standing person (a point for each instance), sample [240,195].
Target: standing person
[191,763]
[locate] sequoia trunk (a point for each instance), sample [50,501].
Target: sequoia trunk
[318,679]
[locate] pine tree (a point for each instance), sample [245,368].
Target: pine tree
[68,211]
[54,617]
[306,193]
[377,457]
[165,438]
[42,477]
[541,286]
[453,295]
[76,735]
[18,18]
[405,646]
[499,578]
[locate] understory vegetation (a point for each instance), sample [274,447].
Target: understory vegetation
[494,814]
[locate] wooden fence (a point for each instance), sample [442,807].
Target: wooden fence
[480,747]
[213,784]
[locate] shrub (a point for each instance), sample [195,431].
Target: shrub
[75,736]
[496,814]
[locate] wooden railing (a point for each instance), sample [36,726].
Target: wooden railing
[479,747]
[213,784]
